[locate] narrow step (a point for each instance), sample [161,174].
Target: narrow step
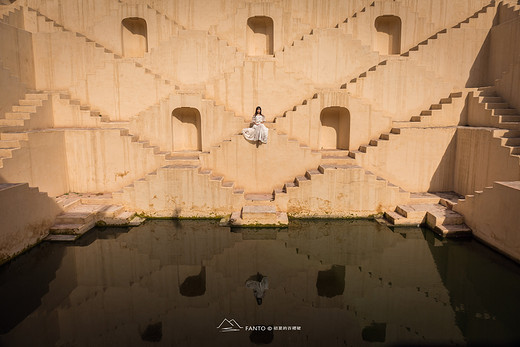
[460,230]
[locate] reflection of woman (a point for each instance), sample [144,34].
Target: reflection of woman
[258,132]
[259,284]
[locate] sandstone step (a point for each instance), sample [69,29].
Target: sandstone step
[458,230]
[443,217]
[10,143]
[96,199]
[491,99]
[341,160]
[257,216]
[395,218]
[14,136]
[61,237]
[423,198]
[487,91]
[259,197]
[68,201]
[119,217]
[497,105]
[511,141]
[183,160]
[36,96]
[110,211]
[74,229]
[417,211]
[12,122]
[31,102]
[509,118]
[17,115]
[20,108]
[505,133]
[504,111]
[75,218]
[7,152]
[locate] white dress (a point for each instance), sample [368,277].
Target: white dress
[258,287]
[258,132]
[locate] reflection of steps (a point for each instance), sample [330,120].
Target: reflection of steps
[438,216]
[258,215]
[82,214]
[259,210]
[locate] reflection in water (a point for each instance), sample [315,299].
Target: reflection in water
[152,333]
[259,284]
[262,337]
[172,283]
[375,332]
[194,285]
[331,282]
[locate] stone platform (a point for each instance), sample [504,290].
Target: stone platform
[256,216]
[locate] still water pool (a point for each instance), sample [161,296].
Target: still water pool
[329,283]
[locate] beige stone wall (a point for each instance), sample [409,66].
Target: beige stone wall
[504,62]
[493,216]
[260,168]
[26,216]
[343,192]
[41,161]
[180,192]
[117,88]
[417,160]
[304,124]
[16,53]
[158,126]
[481,160]
[12,90]
[103,161]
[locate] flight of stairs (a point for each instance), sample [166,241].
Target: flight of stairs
[432,210]
[83,211]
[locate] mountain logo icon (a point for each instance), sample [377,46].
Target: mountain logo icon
[228,325]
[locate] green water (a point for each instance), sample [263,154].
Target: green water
[330,283]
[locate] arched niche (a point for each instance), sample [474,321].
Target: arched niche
[260,40]
[335,128]
[186,129]
[134,37]
[388,34]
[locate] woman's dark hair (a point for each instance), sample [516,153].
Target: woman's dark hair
[256,110]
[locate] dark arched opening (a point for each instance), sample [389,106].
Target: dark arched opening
[335,128]
[134,37]
[186,129]
[388,37]
[260,40]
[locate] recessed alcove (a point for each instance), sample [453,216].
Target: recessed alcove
[388,34]
[260,40]
[335,128]
[186,129]
[134,37]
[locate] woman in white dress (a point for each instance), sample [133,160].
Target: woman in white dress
[258,132]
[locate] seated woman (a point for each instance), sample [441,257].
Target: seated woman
[258,132]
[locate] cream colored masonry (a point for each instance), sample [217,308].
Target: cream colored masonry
[362,117]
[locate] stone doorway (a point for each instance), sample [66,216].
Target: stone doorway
[134,37]
[260,40]
[388,34]
[186,129]
[335,128]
